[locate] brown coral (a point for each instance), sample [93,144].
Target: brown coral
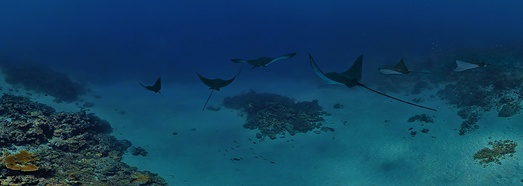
[500,149]
[21,161]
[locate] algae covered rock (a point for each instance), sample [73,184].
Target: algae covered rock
[61,148]
[500,149]
[276,115]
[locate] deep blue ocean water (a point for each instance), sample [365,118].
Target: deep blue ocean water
[174,39]
[122,43]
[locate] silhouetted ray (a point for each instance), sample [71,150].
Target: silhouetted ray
[215,84]
[462,65]
[156,87]
[263,61]
[399,68]
[351,78]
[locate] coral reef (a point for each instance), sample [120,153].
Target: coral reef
[509,109]
[40,78]
[21,161]
[480,90]
[469,124]
[338,106]
[138,151]
[421,118]
[499,150]
[276,115]
[42,147]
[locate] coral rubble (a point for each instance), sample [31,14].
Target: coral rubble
[499,150]
[275,115]
[41,147]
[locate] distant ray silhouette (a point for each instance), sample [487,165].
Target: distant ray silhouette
[215,84]
[351,78]
[399,68]
[156,87]
[263,61]
[462,65]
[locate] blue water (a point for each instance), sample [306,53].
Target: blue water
[177,38]
[110,42]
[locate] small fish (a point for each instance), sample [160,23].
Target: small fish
[236,159]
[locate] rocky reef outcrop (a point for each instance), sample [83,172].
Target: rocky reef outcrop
[39,146]
[276,115]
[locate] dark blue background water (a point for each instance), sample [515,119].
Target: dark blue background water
[119,40]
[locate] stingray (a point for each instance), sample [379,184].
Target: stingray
[399,68]
[462,65]
[215,84]
[156,87]
[263,61]
[351,78]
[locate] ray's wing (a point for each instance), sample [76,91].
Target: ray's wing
[282,57]
[462,66]
[229,81]
[239,60]
[254,62]
[320,74]
[354,72]
[158,84]
[399,68]
[206,81]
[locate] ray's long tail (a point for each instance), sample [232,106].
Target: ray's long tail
[212,90]
[383,94]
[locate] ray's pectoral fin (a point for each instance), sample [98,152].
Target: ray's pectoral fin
[156,87]
[354,72]
[239,61]
[263,61]
[462,66]
[399,68]
[320,74]
[282,57]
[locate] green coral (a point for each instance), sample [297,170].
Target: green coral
[499,150]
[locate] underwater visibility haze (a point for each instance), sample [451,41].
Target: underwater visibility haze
[111,92]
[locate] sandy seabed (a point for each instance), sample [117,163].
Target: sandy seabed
[371,144]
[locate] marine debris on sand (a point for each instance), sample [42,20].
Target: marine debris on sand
[276,115]
[39,146]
